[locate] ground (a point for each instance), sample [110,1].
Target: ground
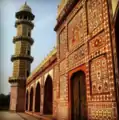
[6,115]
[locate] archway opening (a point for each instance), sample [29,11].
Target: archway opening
[48,96]
[31,99]
[27,100]
[37,98]
[117,51]
[78,96]
[117,37]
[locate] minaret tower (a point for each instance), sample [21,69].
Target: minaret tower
[22,57]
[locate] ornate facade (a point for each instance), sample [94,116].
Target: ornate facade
[80,77]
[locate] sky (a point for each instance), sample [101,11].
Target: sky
[44,36]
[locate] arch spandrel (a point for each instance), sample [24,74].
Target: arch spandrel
[38,81]
[50,73]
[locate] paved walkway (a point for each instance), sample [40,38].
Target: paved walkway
[6,115]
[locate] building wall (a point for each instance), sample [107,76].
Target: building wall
[84,43]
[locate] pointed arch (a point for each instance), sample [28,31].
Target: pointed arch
[78,96]
[117,55]
[48,96]
[117,36]
[37,98]
[31,99]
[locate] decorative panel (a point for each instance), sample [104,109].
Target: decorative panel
[63,84]
[96,43]
[102,111]
[77,56]
[56,75]
[95,14]
[76,30]
[62,43]
[99,75]
[63,66]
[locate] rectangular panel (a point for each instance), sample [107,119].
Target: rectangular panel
[63,66]
[62,43]
[77,56]
[76,30]
[97,42]
[99,75]
[95,14]
[63,87]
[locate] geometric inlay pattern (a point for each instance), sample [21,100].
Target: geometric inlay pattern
[76,30]
[62,43]
[96,43]
[99,75]
[102,111]
[63,84]
[95,14]
[77,56]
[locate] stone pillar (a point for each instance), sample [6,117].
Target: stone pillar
[34,93]
[28,100]
[42,95]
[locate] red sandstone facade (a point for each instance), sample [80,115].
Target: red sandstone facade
[80,78]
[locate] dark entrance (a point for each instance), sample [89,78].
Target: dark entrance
[78,96]
[48,96]
[31,99]
[27,100]
[117,51]
[37,98]
[117,37]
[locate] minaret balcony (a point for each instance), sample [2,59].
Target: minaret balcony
[16,79]
[23,21]
[21,38]
[23,57]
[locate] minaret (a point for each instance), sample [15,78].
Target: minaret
[22,57]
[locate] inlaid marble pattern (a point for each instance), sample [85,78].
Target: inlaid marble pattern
[76,29]
[62,41]
[102,111]
[77,56]
[95,14]
[99,75]
[97,42]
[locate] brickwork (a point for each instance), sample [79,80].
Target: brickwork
[89,41]
[13,98]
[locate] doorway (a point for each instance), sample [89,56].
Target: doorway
[117,56]
[37,98]
[117,37]
[48,96]
[78,96]
[31,99]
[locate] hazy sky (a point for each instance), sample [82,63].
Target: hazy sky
[44,36]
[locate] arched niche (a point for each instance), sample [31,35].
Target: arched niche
[48,96]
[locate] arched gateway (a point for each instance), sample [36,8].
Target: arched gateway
[117,36]
[117,58]
[48,96]
[78,96]
[31,100]
[37,98]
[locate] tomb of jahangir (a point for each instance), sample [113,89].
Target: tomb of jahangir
[79,79]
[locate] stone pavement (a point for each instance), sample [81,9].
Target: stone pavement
[6,115]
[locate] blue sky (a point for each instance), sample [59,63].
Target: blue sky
[45,12]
